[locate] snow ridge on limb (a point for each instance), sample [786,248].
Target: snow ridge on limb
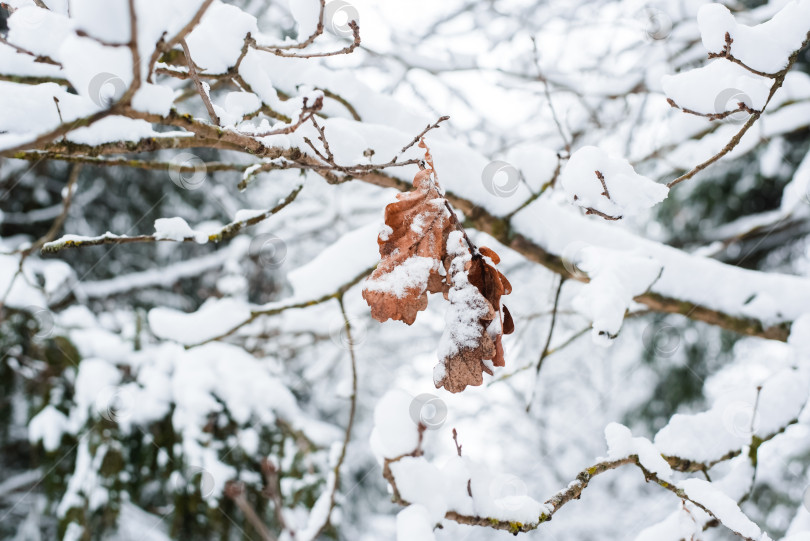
[425,249]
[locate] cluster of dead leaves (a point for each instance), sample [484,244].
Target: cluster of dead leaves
[424,249]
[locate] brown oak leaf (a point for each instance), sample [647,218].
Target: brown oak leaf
[424,249]
[493,284]
[412,247]
[474,322]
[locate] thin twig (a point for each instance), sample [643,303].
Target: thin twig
[547,92]
[164,46]
[350,424]
[317,32]
[60,220]
[544,354]
[601,178]
[201,90]
[226,232]
[307,112]
[423,132]
[236,492]
[278,308]
[779,79]
[272,490]
[455,440]
[136,57]
[601,214]
[345,50]
[37,58]
[726,53]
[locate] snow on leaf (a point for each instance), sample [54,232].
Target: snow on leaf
[474,322]
[465,342]
[422,237]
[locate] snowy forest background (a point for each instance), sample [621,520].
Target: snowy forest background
[210,369]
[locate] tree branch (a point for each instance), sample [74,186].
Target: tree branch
[779,79]
[201,90]
[226,232]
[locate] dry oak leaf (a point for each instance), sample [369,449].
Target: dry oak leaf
[412,247]
[493,284]
[475,321]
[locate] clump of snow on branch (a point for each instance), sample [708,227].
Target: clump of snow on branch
[616,277]
[764,47]
[622,444]
[436,490]
[217,41]
[596,181]
[740,414]
[348,260]
[739,78]
[717,88]
[394,433]
[177,229]
[48,426]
